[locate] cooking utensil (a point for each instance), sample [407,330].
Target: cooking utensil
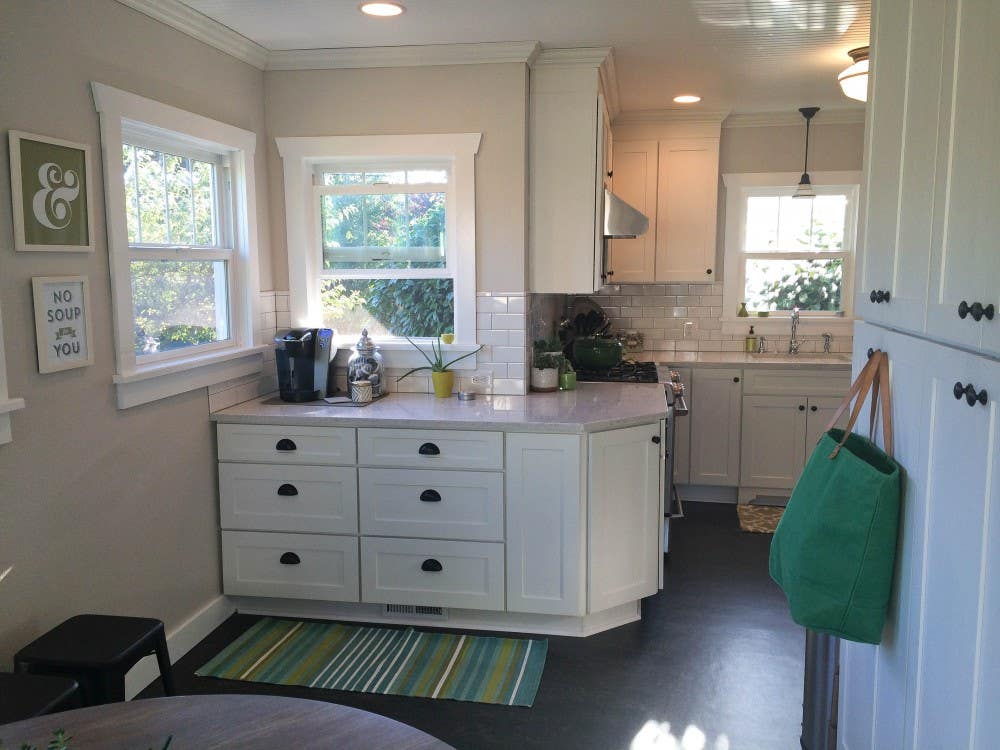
[596,352]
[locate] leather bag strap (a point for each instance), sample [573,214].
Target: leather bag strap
[874,377]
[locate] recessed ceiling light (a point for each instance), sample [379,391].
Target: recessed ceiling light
[382,8]
[687,99]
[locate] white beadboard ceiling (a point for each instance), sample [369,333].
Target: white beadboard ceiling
[740,55]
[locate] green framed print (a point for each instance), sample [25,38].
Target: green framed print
[62,322]
[50,186]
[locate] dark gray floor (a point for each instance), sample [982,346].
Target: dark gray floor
[715,650]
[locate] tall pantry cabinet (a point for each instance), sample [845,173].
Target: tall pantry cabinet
[931,245]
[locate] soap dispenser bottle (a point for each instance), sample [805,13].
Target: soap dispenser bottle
[750,343]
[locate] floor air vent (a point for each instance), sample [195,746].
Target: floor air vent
[410,610]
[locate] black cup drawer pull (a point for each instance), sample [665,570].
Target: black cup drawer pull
[285,445]
[976,310]
[430,496]
[289,558]
[972,396]
[288,490]
[429,449]
[431,566]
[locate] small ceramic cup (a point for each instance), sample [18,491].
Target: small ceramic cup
[361,391]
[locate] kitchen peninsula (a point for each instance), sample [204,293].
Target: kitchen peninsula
[538,513]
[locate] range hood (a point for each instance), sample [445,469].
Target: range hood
[621,221]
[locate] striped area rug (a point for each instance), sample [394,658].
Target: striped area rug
[384,660]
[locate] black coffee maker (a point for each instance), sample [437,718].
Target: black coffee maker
[305,372]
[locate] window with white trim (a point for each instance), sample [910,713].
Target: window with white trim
[179,190]
[784,252]
[381,235]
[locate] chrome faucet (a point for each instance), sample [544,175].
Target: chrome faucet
[793,345]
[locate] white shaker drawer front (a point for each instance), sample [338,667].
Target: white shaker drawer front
[267,497]
[430,449]
[432,504]
[277,444]
[298,566]
[467,575]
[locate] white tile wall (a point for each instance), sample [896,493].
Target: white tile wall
[662,313]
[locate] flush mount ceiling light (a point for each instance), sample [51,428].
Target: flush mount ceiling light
[382,8]
[854,79]
[687,99]
[805,188]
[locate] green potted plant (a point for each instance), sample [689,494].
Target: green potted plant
[546,362]
[442,377]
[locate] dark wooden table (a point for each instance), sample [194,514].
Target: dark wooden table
[216,721]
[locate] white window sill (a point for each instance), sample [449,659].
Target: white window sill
[6,407]
[154,382]
[399,354]
[782,326]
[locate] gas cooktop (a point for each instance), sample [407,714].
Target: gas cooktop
[626,372]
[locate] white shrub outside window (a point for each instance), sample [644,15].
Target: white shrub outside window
[784,252]
[182,240]
[381,235]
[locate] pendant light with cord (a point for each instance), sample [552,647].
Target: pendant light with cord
[805,188]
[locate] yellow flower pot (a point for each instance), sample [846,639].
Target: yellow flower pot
[444,383]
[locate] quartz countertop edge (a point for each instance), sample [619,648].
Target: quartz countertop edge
[769,360]
[592,407]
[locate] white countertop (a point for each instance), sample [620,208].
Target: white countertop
[836,361]
[592,407]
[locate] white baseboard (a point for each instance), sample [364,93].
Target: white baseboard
[464,619]
[180,640]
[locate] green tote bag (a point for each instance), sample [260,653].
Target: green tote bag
[834,547]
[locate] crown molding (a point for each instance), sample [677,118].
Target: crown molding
[595,56]
[403,56]
[189,21]
[844,116]
[609,82]
[690,116]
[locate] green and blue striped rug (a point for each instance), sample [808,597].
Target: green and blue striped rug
[384,660]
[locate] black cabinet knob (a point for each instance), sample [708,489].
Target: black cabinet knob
[736,380]
[708,271]
[972,396]
[802,407]
[431,566]
[976,310]
[610,274]
[289,558]
[288,490]
[430,496]
[813,408]
[285,445]
[656,439]
[873,296]
[886,296]
[429,449]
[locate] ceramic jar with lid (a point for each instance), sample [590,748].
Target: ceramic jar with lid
[366,364]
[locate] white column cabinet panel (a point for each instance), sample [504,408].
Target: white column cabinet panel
[625,512]
[966,264]
[715,426]
[546,524]
[773,441]
[634,181]
[687,202]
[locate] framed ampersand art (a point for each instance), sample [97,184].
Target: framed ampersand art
[50,183]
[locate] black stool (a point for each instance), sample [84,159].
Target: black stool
[97,651]
[25,696]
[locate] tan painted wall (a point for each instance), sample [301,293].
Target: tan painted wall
[491,99]
[780,149]
[102,510]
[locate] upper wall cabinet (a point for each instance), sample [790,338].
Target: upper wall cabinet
[670,172]
[569,162]
[930,258]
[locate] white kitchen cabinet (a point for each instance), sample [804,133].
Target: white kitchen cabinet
[546,523]
[965,263]
[634,181]
[625,515]
[773,441]
[821,411]
[686,207]
[715,426]
[567,168]
[933,681]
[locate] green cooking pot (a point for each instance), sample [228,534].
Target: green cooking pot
[596,352]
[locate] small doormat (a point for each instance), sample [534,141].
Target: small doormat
[384,660]
[759,519]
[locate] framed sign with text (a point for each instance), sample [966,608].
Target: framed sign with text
[50,183]
[62,322]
